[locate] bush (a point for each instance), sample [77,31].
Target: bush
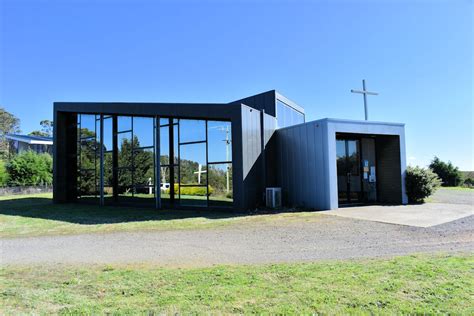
[449,174]
[420,183]
[30,168]
[198,191]
[3,174]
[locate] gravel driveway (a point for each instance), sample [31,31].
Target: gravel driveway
[322,237]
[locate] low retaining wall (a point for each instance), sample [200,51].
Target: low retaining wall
[25,190]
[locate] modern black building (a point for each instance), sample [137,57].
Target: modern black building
[180,155]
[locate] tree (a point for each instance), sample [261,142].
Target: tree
[3,174]
[9,124]
[30,168]
[449,174]
[46,129]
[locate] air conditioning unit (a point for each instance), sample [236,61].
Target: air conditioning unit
[273,197]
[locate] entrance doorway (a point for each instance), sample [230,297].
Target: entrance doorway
[356,161]
[348,171]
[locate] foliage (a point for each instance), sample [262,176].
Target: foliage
[30,168]
[420,183]
[422,284]
[3,174]
[46,129]
[9,124]
[469,182]
[448,173]
[197,191]
[468,178]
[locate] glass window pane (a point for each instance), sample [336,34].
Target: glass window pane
[193,196]
[143,128]
[164,121]
[219,141]
[353,157]
[220,184]
[124,123]
[125,149]
[341,157]
[165,182]
[87,125]
[87,154]
[164,145]
[108,134]
[87,184]
[175,143]
[143,172]
[192,130]
[192,166]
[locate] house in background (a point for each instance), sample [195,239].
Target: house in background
[181,155]
[19,143]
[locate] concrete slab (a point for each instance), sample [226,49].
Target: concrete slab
[423,215]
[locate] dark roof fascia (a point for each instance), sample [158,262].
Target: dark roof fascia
[215,111]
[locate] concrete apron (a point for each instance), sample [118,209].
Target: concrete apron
[422,215]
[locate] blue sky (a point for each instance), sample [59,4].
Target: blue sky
[416,54]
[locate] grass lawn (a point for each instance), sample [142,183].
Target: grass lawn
[412,284]
[34,215]
[457,189]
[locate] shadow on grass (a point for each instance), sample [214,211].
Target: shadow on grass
[88,214]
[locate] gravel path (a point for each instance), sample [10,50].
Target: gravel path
[322,237]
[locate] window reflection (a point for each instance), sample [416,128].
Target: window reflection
[192,131]
[287,116]
[219,141]
[192,167]
[220,184]
[200,172]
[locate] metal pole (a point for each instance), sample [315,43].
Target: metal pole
[365,101]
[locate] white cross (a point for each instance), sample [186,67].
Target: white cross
[199,173]
[365,93]
[150,183]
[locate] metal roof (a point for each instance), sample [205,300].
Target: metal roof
[30,139]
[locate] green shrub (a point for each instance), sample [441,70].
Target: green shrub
[3,174]
[198,191]
[30,168]
[420,183]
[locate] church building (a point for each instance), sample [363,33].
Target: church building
[238,155]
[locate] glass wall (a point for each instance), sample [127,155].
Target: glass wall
[108,149]
[195,160]
[87,157]
[136,164]
[287,116]
[192,181]
[219,136]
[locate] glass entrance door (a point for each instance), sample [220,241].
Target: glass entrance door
[348,171]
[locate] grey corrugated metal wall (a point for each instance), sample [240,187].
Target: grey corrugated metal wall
[300,165]
[251,153]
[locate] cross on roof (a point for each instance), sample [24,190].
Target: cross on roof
[365,93]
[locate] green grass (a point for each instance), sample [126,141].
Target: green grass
[34,215]
[457,188]
[411,284]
